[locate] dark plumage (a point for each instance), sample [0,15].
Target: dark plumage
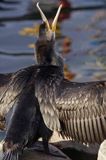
[4,80]
[20,127]
[18,96]
[26,124]
[77,110]
[12,86]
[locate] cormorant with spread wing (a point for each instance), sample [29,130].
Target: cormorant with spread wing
[76,110]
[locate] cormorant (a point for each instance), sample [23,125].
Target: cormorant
[26,124]
[76,110]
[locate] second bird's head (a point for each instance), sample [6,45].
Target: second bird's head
[45,53]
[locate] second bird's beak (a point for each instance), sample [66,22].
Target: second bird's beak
[50,30]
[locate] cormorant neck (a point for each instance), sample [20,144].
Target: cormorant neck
[45,49]
[45,53]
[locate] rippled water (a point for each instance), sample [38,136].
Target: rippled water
[82,24]
[81,36]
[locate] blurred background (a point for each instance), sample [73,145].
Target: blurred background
[81,35]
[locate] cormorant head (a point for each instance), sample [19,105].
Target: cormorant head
[45,52]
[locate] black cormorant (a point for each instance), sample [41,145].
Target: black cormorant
[26,124]
[76,110]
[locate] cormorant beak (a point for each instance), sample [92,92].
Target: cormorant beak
[50,30]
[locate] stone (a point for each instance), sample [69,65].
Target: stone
[32,154]
[102,151]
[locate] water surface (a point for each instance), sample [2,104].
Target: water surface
[83,23]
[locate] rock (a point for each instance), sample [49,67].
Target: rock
[32,154]
[102,151]
[75,150]
[57,140]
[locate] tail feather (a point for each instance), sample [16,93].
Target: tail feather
[11,155]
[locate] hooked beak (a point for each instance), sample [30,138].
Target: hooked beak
[50,30]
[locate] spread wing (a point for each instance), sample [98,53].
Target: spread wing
[82,110]
[4,81]
[78,109]
[11,88]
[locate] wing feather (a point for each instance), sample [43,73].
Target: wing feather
[83,130]
[75,129]
[75,109]
[91,129]
[100,129]
[72,128]
[11,85]
[4,81]
[103,122]
[86,104]
[70,131]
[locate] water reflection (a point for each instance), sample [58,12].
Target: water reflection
[81,35]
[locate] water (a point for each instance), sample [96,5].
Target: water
[81,36]
[85,27]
